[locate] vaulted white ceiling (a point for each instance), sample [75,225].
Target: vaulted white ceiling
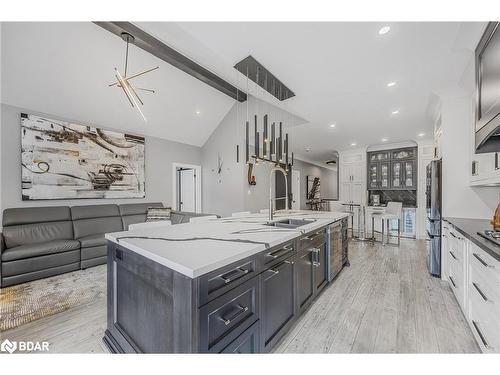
[63,69]
[338,71]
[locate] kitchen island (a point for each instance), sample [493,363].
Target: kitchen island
[220,285]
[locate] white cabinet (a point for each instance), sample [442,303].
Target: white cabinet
[474,277]
[353,176]
[484,299]
[485,169]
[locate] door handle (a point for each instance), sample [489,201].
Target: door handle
[481,293]
[453,255]
[482,261]
[481,336]
[227,321]
[233,275]
[453,282]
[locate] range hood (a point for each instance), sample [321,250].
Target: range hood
[487,60]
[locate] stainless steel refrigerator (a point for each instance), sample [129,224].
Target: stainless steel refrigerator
[433,198]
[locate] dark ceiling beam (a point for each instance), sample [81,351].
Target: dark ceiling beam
[157,48]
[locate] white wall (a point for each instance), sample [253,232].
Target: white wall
[160,154]
[230,192]
[459,198]
[457,124]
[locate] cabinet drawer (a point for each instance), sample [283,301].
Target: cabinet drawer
[277,302]
[215,284]
[276,255]
[225,318]
[313,239]
[457,286]
[485,327]
[457,245]
[487,295]
[246,343]
[485,264]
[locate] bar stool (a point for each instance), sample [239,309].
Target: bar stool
[393,211]
[339,206]
[376,213]
[240,214]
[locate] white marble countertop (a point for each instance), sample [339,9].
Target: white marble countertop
[195,249]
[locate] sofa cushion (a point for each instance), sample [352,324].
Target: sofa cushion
[96,219]
[137,208]
[93,211]
[134,213]
[93,240]
[17,235]
[39,249]
[28,265]
[30,215]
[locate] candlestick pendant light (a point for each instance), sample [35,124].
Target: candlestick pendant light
[268,148]
[123,81]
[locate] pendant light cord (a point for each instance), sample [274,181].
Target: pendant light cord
[126,57]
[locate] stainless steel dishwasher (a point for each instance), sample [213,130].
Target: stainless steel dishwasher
[335,255]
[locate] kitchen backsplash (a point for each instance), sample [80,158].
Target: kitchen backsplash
[408,197]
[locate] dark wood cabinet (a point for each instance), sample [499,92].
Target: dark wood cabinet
[320,263]
[246,343]
[277,288]
[244,307]
[392,169]
[304,278]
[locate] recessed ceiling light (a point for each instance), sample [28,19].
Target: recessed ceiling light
[395,112]
[384,139]
[308,149]
[353,144]
[390,84]
[332,125]
[198,111]
[421,134]
[384,30]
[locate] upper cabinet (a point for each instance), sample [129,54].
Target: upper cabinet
[393,169]
[487,128]
[484,167]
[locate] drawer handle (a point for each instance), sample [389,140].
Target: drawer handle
[313,236]
[480,292]
[276,270]
[241,310]
[280,252]
[481,336]
[482,260]
[453,255]
[233,275]
[453,282]
[457,237]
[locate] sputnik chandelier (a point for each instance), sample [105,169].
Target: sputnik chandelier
[123,81]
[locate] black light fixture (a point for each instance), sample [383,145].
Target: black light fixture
[275,147]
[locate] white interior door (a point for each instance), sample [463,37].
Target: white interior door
[187,190]
[295,189]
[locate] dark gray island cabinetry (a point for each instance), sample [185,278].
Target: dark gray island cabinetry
[243,307]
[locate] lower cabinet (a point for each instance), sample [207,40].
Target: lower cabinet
[304,278]
[320,263]
[277,302]
[246,343]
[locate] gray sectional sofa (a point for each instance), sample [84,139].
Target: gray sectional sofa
[39,242]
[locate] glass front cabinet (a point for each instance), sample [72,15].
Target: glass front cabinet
[394,169]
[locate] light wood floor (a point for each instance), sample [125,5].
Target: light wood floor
[386,302]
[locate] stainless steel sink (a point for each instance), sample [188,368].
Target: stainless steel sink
[290,223]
